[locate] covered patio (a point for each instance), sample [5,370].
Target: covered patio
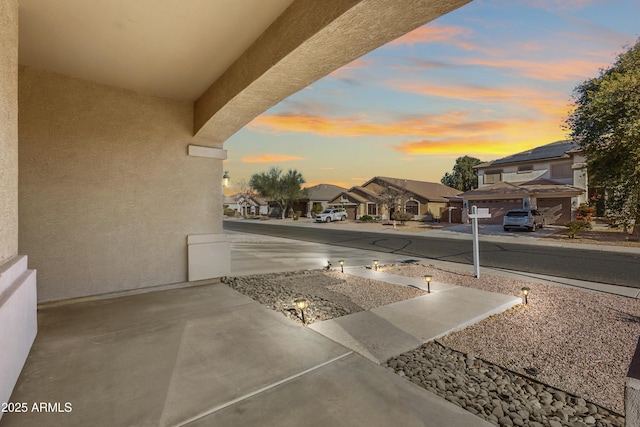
[113,117]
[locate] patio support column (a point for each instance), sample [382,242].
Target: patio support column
[18,317]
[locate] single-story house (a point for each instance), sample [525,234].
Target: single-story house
[426,200]
[318,196]
[246,205]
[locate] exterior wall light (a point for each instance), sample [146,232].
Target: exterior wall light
[428,279]
[375,264]
[302,304]
[226,179]
[341,262]
[525,293]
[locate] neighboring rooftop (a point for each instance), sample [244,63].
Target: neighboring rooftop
[554,150]
[324,191]
[432,191]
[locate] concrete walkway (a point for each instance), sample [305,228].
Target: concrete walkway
[388,331]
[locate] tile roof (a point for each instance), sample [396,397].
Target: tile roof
[323,192]
[520,189]
[432,191]
[555,150]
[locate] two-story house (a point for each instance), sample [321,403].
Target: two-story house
[551,178]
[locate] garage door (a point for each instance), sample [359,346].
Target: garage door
[497,209]
[556,210]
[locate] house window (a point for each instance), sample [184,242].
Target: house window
[411,207]
[493,176]
[372,209]
[525,168]
[561,170]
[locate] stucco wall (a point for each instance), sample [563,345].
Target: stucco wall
[8,129]
[107,191]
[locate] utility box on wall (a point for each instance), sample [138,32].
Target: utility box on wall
[209,256]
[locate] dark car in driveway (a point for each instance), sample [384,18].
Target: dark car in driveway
[523,219]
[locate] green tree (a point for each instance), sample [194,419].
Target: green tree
[463,177]
[606,125]
[273,186]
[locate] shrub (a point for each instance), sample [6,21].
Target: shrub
[573,227]
[297,215]
[366,218]
[585,212]
[229,212]
[317,208]
[402,216]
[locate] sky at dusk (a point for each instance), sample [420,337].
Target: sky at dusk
[490,79]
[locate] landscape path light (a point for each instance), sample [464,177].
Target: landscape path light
[341,262]
[302,304]
[427,279]
[375,264]
[525,293]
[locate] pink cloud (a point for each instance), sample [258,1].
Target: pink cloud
[549,103]
[436,33]
[449,122]
[551,70]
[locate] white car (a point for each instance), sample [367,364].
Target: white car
[329,215]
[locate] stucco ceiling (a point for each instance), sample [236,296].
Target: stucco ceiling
[169,48]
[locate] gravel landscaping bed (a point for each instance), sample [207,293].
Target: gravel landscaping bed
[499,396]
[578,341]
[331,294]
[570,344]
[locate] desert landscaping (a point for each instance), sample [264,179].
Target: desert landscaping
[559,360]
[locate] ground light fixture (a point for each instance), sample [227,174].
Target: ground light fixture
[375,264]
[302,304]
[525,293]
[327,265]
[428,279]
[341,262]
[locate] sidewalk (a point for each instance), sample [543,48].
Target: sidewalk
[256,254]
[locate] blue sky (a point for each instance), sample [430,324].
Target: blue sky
[490,79]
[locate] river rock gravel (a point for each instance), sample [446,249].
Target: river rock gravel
[501,397]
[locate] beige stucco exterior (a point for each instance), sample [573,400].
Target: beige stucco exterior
[8,129]
[108,193]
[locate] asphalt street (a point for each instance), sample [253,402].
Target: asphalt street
[581,264]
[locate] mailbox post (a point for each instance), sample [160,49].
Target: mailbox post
[475,214]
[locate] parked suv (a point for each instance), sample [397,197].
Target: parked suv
[529,219]
[328,215]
